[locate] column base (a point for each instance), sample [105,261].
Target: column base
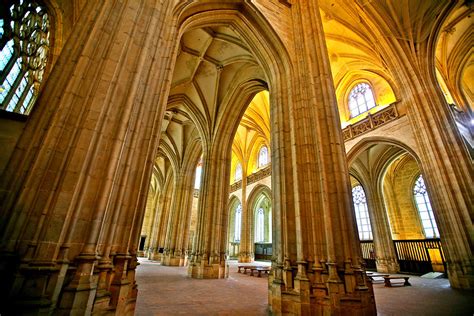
[318,294]
[461,276]
[387,266]
[208,271]
[170,260]
[154,256]
[293,303]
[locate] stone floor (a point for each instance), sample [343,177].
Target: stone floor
[168,291]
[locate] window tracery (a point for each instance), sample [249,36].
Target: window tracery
[24,45]
[361,99]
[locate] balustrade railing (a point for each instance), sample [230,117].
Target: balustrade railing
[371,122]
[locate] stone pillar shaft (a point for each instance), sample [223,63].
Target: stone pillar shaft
[385,256]
[208,257]
[86,140]
[179,217]
[318,261]
[245,254]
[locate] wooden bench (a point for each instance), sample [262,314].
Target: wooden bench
[259,270]
[388,279]
[246,268]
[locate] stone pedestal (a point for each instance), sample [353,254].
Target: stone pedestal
[208,271]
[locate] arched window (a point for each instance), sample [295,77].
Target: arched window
[362,213]
[424,208]
[361,99]
[197,178]
[260,226]
[24,44]
[238,222]
[263,157]
[238,172]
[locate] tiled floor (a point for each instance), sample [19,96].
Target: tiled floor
[168,291]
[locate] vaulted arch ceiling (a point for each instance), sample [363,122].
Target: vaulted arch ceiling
[211,63]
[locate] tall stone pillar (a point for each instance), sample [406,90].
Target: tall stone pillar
[175,250]
[208,258]
[152,246]
[163,223]
[446,165]
[84,163]
[386,259]
[245,254]
[317,256]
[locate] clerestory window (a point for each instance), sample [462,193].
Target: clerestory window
[423,205]
[24,45]
[361,99]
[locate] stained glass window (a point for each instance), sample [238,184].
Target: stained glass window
[361,99]
[362,213]
[424,209]
[24,45]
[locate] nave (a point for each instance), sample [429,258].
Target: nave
[166,290]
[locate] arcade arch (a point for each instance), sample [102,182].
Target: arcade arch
[388,171]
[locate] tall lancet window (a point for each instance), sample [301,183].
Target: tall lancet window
[238,172]
[362,213]
[24,45]
[260,226]
[263,157]
[424,209]
[361,99]
[238,222]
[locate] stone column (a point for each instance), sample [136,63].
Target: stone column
[385,256]
[317,256]
[208,259]
[91,136]
[150,252]
[179,217]
[162,224]
[245,254]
